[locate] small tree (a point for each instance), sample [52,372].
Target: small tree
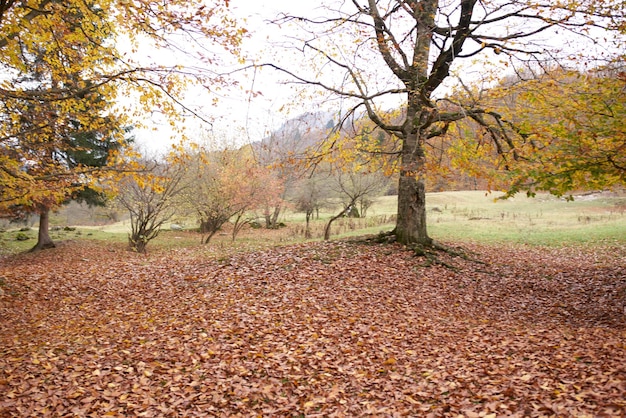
[206,197]
[277,151]
[311,194]
[257,188]
[229,184]
[149,197]
[355,186]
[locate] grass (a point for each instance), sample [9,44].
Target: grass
[476,216]
[544,220]
[10,239]
[467,216]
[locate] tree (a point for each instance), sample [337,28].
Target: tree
[280,150]
[572,123]
[206,198]
[311,194]
[408,49]
[37,121]
[256,189]
[105,24]
[229,185]
[575,125]
[57,56]
[56,152]
[150,199]
[354,187]
[248,187]
[86,158]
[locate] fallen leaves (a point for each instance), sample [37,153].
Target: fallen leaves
[324,329]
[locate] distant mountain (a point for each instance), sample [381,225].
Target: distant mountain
[307,122]
[295,136]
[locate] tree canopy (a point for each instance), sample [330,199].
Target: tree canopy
[78,63]
[566,126]
[575,129]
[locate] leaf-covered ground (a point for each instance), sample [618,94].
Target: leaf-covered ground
[326,329]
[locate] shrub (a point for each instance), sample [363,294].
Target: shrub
[21,237]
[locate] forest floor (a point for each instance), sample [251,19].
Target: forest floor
[340,329]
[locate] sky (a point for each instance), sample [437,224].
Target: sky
[239,117]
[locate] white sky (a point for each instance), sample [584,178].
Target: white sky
[241,118]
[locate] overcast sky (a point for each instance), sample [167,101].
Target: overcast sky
[240,116]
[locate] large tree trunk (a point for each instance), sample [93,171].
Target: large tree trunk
[411,216]
[411,221]
[43,238]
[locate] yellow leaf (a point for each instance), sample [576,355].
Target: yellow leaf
[390,361]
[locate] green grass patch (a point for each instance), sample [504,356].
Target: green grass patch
[545,220]
[478,216]
[22,239]
[470,216]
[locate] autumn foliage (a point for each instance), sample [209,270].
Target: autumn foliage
[325,329]
[370,54]
[573,126]
[73,67]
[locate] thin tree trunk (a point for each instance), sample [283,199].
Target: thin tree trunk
[307,231]
[271,219]
[43,237]
[209,236]
[238,225]
[139,244]
[275,215]
[334,218]
[268,218]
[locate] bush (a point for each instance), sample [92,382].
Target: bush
[21,237]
